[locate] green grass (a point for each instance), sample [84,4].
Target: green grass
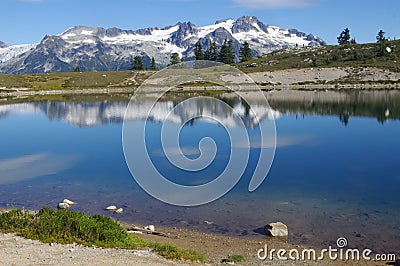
[74,227]
[234,258]
[75,80]
[351,55]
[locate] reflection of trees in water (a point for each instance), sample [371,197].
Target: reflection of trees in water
[380,105]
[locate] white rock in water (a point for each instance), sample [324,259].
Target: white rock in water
[120,210]
[63,206]
[69,202]
[150,228]
[387,113]
[111,208]
[276,229]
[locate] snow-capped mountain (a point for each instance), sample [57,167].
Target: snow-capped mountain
[96,49]
[12,52]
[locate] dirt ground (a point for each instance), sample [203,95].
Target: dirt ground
[15,250]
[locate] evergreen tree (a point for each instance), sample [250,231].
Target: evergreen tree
[226,53]
[380,37]
[213,52]
[198,52]
[175,59]
[207,55]
[245,52]
[138,63]
[153,64]
[344,37]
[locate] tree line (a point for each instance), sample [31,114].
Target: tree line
[345,38]
[223,54]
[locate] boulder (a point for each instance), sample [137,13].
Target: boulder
[151,228]
[63,206]
[276,229]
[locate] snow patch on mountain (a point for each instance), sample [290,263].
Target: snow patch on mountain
[13,51]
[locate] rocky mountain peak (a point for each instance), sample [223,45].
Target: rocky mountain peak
[185,29]
[248,23]
[3,45]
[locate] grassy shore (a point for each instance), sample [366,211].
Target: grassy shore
[182,246]
[68,227]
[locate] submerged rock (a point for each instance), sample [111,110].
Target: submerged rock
[120,210]
[276,229]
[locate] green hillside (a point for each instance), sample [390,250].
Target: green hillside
[382,55]
[74,80]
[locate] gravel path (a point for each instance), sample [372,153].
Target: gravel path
[15,250]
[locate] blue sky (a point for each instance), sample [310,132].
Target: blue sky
[27,21]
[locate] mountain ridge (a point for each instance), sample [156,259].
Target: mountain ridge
[101,49]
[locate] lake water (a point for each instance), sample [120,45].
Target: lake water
[336,171]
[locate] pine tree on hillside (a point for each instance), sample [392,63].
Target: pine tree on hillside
[198,51]
[245,52]
[226,53]
[344,37]
[138,63]
[380,37]
[174,59]
[213,54]
[153,64]
[207,54]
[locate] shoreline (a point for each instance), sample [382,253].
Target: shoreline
[216,248]
[307,79]
[22,92]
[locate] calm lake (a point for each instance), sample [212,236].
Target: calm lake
[336,171]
